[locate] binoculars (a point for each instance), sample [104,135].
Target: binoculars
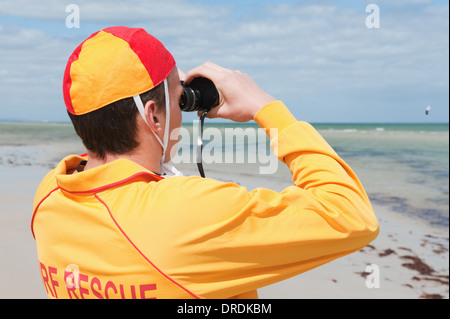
[199,94]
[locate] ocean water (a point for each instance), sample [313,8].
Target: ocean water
[402,166]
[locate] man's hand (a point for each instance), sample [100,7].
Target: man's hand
[240,97]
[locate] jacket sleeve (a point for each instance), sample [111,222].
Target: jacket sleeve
[230,240]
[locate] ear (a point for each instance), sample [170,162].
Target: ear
[154,118]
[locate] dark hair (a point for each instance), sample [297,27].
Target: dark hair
[112,128]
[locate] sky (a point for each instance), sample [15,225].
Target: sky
[319,57]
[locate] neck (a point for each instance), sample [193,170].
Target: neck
[148,153]
[147,157]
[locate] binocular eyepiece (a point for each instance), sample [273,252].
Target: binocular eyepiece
[199,94]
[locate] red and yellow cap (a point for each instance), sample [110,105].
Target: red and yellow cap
[113,64]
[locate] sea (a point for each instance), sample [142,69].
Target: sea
[404,167]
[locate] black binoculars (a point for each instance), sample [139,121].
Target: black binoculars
[199,94]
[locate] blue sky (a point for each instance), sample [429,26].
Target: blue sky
[316,56]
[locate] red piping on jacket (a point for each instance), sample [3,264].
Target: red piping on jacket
[139,251]
[115,222]
[98,189]
[90,191]
[35,210]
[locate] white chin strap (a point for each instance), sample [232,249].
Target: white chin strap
[166,168]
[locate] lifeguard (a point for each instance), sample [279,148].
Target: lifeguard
[129,228]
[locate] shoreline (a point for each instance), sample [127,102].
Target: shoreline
[412,257]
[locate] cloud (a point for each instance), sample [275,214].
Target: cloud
[318,58]
[110,11]
[31,63]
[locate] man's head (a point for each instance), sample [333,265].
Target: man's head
[103,75]
[112,129]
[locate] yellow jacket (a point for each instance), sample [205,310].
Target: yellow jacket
[119,231]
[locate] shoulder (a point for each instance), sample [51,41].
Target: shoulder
[47,186]
[194,200]
[200,192]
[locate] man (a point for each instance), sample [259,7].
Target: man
[115,223]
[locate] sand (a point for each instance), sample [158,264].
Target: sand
[20,276]
[410,258]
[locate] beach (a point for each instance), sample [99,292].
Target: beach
[408,260]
